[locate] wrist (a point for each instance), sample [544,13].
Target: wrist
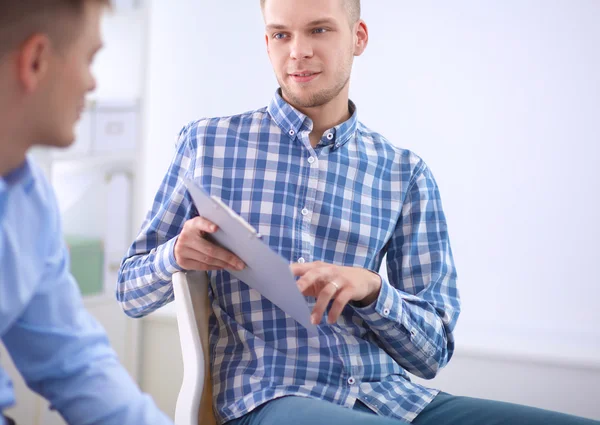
[374,283]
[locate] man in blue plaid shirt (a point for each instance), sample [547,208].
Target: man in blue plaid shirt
[333,197]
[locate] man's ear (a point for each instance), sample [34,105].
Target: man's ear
[33,61]
[267,42]
[361,38]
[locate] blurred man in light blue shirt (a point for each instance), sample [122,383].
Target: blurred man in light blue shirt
[46,50]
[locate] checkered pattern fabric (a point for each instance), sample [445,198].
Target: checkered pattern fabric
[349,201]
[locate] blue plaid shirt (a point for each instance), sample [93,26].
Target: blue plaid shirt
[349,201]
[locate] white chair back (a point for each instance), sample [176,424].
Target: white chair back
[194,403]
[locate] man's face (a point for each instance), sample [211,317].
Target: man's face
[312,45]
[69,79]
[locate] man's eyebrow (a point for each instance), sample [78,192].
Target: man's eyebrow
[324,21]
[276,27]
[315,23]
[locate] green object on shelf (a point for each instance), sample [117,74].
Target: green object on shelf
[87,263]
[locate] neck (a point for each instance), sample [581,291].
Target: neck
[16,131]
[13,149]
[327,116]
[10,159]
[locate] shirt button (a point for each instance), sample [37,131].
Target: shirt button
[386,312]
[304,211]
[330,136]
[292,132]
[311,160]
[351,380]
[301,260]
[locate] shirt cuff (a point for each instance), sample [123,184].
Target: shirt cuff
[165,264]
[385,311]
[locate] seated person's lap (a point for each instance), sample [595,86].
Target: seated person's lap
[455,410]
[445,409]
[292,410]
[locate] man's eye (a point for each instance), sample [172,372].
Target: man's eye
[320,31]
[279,36]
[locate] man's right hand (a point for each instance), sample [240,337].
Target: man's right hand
[194,252]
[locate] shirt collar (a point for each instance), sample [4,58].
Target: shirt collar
[20,176]
[292,121]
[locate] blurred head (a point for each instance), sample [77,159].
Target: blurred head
[46,52]
[312,45]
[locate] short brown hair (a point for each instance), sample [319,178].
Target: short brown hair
[352,6]
[20,19]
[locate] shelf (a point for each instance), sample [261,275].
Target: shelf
[83,161]
[126,8]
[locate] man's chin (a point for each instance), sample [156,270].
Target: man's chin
[304,99]
[63,142]
[306,102]
[67,143]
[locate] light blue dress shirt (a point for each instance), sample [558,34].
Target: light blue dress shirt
[59,348]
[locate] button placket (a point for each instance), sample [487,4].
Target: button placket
[308,203]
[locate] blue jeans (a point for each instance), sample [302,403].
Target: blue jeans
[445,409]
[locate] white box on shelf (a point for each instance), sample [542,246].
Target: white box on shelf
[124,5]
[115,127]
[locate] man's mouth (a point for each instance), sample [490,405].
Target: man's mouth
[304,76]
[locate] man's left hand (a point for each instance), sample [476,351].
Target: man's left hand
[328,282]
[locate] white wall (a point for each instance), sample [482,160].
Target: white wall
[119,66]
[500,98]
[205,58]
